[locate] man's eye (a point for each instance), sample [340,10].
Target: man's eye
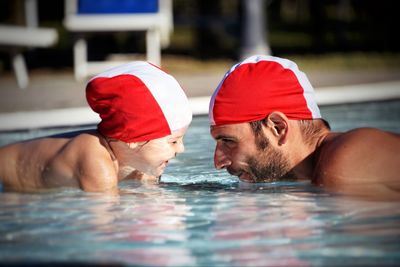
[227,141]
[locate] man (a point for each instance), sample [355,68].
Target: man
[268,127]
[144,116]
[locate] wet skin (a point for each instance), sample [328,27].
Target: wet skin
[86,160]
[362,161]
[238,152]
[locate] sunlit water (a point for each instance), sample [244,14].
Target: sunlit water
[198,216]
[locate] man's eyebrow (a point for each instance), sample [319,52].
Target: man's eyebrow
[221,136]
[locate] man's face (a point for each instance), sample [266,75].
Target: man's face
[251,158]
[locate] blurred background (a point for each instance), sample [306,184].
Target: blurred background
[212,29]
[335,41]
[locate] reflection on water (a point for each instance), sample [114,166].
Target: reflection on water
[198,216]
[191,225]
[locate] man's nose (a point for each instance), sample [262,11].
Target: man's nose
[220,159]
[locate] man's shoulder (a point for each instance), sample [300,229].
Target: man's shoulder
[362,139]
[369,133]
[359,153]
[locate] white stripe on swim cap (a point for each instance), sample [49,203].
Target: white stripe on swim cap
[164,88]
[214,95]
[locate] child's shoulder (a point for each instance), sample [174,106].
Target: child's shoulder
[87,141]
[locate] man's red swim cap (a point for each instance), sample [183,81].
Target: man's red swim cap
[138,102]
[259,85]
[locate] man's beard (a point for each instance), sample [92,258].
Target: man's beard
[269,167]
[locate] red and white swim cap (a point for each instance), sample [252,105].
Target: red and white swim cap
[259,85]
[138,102]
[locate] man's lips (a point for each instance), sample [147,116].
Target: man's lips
[245,176]
[241,174]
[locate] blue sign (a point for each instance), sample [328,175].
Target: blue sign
[117,6]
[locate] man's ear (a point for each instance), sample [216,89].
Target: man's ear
[279,125]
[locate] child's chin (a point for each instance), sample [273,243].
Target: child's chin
[149,178]
[160,171]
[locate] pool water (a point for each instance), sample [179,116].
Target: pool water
[198,216]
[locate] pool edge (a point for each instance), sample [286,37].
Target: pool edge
[199,105]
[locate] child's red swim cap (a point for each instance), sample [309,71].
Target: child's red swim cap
[259,85]
[138,102]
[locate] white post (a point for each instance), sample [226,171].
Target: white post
[80,59]
[31,14]
[20,71]
[167,21]
[253,36]
[153,50]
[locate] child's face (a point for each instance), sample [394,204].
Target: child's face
[153,156]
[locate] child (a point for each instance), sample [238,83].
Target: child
[144,116]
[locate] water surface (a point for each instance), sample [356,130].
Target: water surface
[198,216]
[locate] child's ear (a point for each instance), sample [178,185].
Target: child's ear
[132,145]
[278,123]
[136,145]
